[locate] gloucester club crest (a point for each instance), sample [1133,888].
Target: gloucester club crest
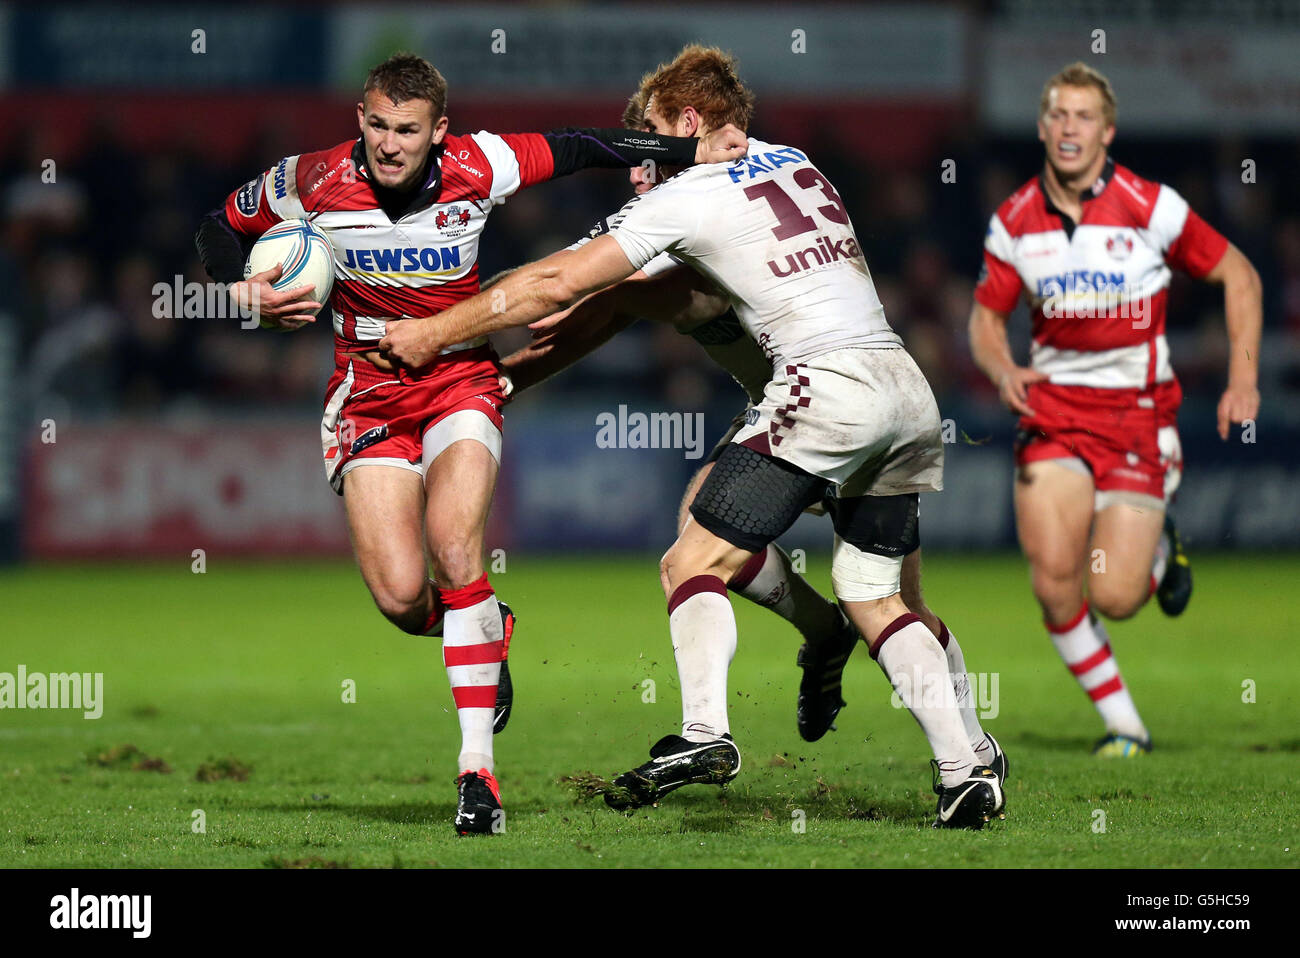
[1119,246]
[452,221]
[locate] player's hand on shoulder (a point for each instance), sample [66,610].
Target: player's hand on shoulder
[282,309]
[722,145]
[1013,388]
[1237,404]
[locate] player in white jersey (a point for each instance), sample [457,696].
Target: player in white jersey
[682,299]
[846,408]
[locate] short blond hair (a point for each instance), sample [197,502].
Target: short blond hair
[1080,74]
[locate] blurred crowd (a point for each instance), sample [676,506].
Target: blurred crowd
[87,243]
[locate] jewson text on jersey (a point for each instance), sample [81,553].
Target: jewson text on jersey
[428,259]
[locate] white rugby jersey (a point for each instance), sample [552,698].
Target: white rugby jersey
[770,230]
[1096,289]
[723,337]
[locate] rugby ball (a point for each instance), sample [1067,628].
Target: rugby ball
[303,250]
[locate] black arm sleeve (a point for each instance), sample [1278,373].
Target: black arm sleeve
[220,248]
[578,149]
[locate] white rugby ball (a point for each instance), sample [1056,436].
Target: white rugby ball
[303,250]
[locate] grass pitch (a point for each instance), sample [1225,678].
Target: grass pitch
[224,707]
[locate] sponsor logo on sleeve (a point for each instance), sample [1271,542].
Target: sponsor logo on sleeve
[249,196]
[461,157]
[278,179]
[329,173]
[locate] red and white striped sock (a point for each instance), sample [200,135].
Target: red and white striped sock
[703,628]
[472,647]
[1084,646]
[915,664]
[433,624]
[768,579]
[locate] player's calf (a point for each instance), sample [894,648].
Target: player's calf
[473,648]
[702,626]
[873,535]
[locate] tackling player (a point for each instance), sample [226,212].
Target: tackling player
[682,298]
[1091,245]
[415,455]
[846,408]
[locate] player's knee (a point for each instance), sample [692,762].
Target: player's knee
[665,566]
[675,568]
[858,576]
[457,562]
[1059,592]
[681,563]
[1114,599]
[1055,580]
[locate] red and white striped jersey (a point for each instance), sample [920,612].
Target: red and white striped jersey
[415,265]
[1097,290]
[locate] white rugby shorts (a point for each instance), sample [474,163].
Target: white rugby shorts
[862,418]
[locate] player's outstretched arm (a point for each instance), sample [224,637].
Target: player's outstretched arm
[577,149]
[992,353]
[680,297]
[1243,312]
[528,294]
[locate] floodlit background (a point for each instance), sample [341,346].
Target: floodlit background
[171,435]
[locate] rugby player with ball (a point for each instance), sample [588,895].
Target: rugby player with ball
[415,453]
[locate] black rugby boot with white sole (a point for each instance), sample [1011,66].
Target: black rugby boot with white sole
[969,804]
[675,762]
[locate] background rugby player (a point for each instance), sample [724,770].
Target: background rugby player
[1092,245]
